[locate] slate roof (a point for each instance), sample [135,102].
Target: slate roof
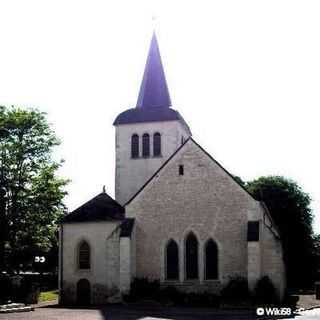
[154,100]
[154,90]
[136,115]
[126,227]
[100,208]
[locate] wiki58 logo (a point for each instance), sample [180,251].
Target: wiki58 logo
[274,312]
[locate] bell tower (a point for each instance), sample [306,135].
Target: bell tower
[147,135]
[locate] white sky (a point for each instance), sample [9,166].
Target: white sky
[244,74]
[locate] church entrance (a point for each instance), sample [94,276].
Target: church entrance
[83,292]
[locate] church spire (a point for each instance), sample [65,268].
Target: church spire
[154,90]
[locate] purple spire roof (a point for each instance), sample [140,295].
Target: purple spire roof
[154,102]
[154,90]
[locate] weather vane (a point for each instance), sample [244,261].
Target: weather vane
[154,20]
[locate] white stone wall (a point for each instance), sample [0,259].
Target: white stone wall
[131,174]
[206,201]
[272,256]
[125,264]
[254,263]
[104,277]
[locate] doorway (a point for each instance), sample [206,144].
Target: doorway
[83,292]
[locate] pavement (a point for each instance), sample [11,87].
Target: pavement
[120,312]
[127,313]
[51,311]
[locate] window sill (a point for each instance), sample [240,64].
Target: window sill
[146,157]
[171,282]
[191,281]
[83,270]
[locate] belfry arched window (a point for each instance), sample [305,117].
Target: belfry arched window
[172,261]
[191,257]
[211,260]
[84,255]
[157,144]
[145,145]
[135,146]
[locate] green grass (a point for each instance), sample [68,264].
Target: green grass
[48,295]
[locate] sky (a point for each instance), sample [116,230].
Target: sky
[245,75]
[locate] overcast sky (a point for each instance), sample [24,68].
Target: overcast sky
[245,75]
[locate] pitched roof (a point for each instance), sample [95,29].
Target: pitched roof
[100,208]
[126,227]
[154,90]
[172,156]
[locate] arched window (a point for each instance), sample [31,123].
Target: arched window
[145,145]
[172,261]
[211,260]
[84,255]
[157,144]
[191,256]
[135,146]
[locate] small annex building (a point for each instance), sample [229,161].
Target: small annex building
[178,216]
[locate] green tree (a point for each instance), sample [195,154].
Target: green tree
[31,193]
[290,209]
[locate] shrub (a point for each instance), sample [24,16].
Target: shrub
[5,288]
[24,290]
[144,288]
[203,299]
[170,294]
[47,281]
[236,289]
[265,291]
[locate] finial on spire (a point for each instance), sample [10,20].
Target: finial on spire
[154,90]
[104,189]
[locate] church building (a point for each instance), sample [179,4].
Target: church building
[178,216]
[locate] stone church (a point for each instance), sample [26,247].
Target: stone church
[178,216]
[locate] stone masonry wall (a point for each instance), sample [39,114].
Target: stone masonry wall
[206,201]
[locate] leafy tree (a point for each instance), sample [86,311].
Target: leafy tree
[240,181]
[31,194]
[290,209]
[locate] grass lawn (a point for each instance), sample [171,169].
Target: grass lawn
[48,295]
